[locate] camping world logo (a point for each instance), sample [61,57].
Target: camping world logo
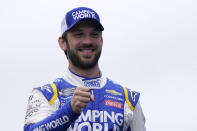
[83,14]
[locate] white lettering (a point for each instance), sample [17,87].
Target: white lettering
[53,124]
[48,126]
[39,128]
[105,126]
[83,14]
[93,127]
[95,114]
[112,97]
[120,121]
[97,127]
[92,120]
[85,117]
[66,119]
[42,126]
[85,124]
[111,117]
[75,127]
[58,122]
[116,128]
[101,116]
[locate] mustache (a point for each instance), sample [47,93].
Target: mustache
[87,46]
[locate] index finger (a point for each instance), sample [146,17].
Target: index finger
[83,89]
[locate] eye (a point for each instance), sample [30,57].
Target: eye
[95,34]
[78,34]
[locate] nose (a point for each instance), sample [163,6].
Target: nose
[87,40]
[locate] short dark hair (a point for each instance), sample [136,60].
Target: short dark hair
[64,37]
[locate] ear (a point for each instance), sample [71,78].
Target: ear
[62,43]
[102,40]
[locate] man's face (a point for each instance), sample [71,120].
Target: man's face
[84,45]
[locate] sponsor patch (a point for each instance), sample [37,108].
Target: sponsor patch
[113,97]
[113,92]
[114,104]
[83,14]
[133,95]
[64,99]
[46,88]
[92,83]
[67,92]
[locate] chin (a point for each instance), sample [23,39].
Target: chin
[87,62]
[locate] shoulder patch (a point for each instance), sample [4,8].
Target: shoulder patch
[49,91]
[131,97]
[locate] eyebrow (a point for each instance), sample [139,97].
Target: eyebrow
[75,29]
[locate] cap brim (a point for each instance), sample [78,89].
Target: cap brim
[98,24]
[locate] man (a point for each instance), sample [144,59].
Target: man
[83,99]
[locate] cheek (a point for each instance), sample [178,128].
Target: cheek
[100,43]
[71,44]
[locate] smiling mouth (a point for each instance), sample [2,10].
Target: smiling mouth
[87,50]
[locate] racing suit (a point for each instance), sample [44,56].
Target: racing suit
[115,108]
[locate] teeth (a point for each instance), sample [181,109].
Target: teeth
[86,50]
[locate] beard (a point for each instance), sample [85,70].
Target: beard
[78,62]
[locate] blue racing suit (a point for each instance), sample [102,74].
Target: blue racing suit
[115,108]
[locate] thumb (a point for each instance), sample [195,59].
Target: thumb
[92,98]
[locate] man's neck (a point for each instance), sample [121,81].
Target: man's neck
[90,73]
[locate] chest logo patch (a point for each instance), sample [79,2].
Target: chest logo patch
[92,83]
[113,92]
[67,92]
[114,104]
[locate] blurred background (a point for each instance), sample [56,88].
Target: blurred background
[149,46]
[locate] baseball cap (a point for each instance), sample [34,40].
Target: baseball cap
[75,15]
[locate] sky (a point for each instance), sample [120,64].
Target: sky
[149,46]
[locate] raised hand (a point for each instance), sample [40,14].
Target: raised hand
[81,98]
